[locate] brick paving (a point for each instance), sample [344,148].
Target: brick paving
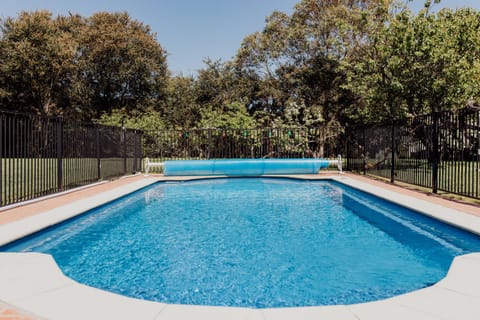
[31,209]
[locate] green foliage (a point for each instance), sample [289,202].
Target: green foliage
[233,115]
[79,67]
[181,110]
[147,120]
[122,64]
[298,58]
[37,55]
[418,64]
[219,84]
[328,62]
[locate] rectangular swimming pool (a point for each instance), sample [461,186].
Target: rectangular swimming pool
[256,242]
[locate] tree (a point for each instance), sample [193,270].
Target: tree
[219,84]
[233,115]
[147,120]
[122,65]
[37,59]
[79,67]
[418,64]
[180,109]
[299,57]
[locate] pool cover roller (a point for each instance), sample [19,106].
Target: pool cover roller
[244,167]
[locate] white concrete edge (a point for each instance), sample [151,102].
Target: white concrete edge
[459,219]
[24,227]
[61,193]
[33,282]
[50,196]
[462,279]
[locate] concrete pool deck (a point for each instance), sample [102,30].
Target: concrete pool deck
[33,287]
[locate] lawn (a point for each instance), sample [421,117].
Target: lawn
[28,178]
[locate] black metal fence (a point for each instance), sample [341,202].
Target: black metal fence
[440,151]
[243,143]
[42,155]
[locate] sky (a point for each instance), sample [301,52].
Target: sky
[189,30]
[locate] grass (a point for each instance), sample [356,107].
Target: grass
[460,178]
[26,178]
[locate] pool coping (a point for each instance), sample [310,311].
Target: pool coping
[33,281]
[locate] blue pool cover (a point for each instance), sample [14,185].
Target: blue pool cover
[243,167]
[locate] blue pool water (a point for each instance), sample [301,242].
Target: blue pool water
[253,242]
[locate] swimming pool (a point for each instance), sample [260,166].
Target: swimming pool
[271,243]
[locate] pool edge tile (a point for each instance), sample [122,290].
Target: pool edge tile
[440,303]
[82,302]
[23,275]
[194,312]
[386,309]
[463,276]
[337,312]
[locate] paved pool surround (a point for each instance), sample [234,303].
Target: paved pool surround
[33,282]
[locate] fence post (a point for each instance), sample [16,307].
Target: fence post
[1,159]
[59,153]
[99,161]
[435,153]
[394,154]
[124,135]
[135,135]
[478,154]
[364,150]
[140,150]
[209,150]
[347,147]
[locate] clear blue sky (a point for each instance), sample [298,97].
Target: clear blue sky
[190,30]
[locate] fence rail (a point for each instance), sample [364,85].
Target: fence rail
[42,155]
[440,151]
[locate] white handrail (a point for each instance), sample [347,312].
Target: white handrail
[337,162]
[149,164]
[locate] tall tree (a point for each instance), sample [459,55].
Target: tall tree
[299,57]
[121,64]
[37,59]
[421,63]
[79,67]
[180,109]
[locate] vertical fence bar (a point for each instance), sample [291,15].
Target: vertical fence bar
[364,151]
[59,153]
[97,145]
[209,143]
[2,145]
[393,153]
[477,156]
[134,169]
[24,159]
[124,135]
[17,142]
[435,153]
[8,160]
[347,148]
